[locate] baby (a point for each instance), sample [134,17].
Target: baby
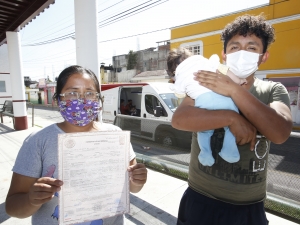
[183,64]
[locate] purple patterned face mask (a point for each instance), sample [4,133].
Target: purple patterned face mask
[79,112]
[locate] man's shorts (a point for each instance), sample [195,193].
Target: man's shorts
[197,209]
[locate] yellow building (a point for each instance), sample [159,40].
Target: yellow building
[283,65]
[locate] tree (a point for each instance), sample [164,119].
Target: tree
[132,58]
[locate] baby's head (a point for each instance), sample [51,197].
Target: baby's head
[176,56]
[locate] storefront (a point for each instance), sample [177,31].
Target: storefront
[47,90]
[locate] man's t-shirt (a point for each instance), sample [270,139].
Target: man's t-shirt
[243,182]
[38,157]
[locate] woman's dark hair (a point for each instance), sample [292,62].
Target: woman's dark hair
[176,56]
[248,25]
[69,71]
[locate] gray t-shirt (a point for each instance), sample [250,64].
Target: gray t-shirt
[38,158]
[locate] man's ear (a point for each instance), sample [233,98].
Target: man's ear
[223,56]
[265,57]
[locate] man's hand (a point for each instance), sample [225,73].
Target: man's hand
[218,83]
[43,190]
[243,131]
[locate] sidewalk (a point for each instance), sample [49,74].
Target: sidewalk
[157,203]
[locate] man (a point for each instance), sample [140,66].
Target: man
[233,193]
[122,106]
[128,107]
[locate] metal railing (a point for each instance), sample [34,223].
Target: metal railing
[172,158]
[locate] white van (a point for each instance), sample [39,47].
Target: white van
[155,104]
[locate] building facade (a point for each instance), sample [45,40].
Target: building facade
[151,59]
[283,65]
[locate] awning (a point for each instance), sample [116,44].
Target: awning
[16,14]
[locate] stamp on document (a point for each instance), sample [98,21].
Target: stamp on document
[69,143]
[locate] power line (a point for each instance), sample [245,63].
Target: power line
[126,11]
[115,10]
[44,45]
[118,19]
[111,6]
[46,58]
[70,35]
[134,35]
[54,25]
[64,22]
[55,32]
[52,40]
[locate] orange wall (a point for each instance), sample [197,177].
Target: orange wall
[214,24]
[284,52]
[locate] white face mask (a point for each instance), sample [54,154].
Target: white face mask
[242,63]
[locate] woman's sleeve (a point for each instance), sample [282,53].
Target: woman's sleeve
[28,161]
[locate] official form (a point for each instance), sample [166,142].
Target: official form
[93,167]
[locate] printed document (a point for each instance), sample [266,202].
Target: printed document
[93,167]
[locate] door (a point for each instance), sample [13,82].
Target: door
[149,122]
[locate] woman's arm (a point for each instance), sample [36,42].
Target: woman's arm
[138,176]
[26,194]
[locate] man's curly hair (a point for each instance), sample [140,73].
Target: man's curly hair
[248,25]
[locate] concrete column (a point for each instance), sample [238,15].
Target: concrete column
[17,80]
[86,30]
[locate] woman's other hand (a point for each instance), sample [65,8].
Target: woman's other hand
[137,175]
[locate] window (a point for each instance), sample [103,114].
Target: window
[195,47]
[151,102]
[2,86]
[171,100]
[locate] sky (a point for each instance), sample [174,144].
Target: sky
[146,27]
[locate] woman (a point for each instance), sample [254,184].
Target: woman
[34,187]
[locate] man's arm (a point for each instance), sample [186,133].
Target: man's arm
[273,121]
[189,118]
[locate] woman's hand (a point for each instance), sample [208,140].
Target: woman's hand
[43,190]
[138,176]
[218,83]
[27,194]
